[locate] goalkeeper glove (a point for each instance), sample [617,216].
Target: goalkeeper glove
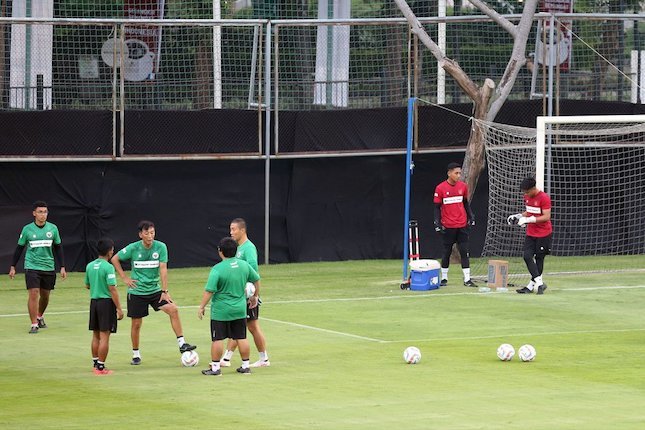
[526,220]
[439,228]
[512,219]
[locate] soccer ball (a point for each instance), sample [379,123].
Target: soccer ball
[189,358]
[249,289]
[505,352]
[527,352]
[412,355]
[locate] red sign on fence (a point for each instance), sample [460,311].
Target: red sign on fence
[563,35]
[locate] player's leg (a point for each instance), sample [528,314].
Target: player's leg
[238,332]
[448,238]
[231,346]
[105,324]
[47,284]
[95,346]
[463,245]
[137,310]
[530,244]
[33,290]
[135,332]
[543,249]
[219,332]
[43,302]
[104,348]
[172,311]
[253,324]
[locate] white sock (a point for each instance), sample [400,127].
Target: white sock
[180,340]
[466,274]
[245,364]
[444,273]
[228,355]
[531,285]
[264,356]
[538,281]
[136,353]
[214,366]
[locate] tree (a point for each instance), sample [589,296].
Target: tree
[489,98]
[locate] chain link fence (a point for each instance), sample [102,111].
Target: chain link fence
[163,86]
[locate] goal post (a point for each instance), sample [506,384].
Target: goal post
[593,168]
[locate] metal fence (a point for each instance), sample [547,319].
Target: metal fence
[125,65]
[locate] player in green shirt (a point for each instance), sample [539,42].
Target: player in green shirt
[247,251]
[105,306]
[225,289]
[43,243]
[148,285]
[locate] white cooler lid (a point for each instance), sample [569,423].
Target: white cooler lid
[424,265]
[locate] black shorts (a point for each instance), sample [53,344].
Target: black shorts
[40,279]
[103,315]
[138,304]
[538,245]
[235,329]
[455,235]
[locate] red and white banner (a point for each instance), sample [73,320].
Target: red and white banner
[143,44]
[563,42]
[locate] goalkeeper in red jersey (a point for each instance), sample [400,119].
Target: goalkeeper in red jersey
[453,218]
[537,244]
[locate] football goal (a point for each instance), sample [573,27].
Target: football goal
[593,168]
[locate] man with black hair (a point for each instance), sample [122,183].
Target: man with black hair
[247,251]
[539,231]
[43,243]
[105,306]
[453,218]
[225,289]
[149,258]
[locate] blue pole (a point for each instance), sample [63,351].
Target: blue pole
[409,166]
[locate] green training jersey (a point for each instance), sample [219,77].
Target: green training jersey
[145,264]
[226,281]
[100,275]
[39,242]
[249,253]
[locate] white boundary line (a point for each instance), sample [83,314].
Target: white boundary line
[356,299]
[339,333]
[324,330]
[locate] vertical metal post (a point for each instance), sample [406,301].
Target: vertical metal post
[115,61]
[122,95]
[27,103]
[267,140]
[409,166]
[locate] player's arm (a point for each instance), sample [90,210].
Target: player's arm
[546,216]
[163,276]
[115,298]
[438,227]
[202,306]
[16,256]
[116,262]
[532,219]
[59,256]
[469,212]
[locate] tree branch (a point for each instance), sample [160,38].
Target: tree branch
[499,19]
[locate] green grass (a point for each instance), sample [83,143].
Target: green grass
[336,333]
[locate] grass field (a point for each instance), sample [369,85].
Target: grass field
[336,333]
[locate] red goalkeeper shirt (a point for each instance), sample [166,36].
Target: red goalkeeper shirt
[451,198]
[535,206]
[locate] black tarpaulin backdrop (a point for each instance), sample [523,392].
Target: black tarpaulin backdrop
[321,209]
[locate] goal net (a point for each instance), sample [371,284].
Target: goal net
[593,168]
